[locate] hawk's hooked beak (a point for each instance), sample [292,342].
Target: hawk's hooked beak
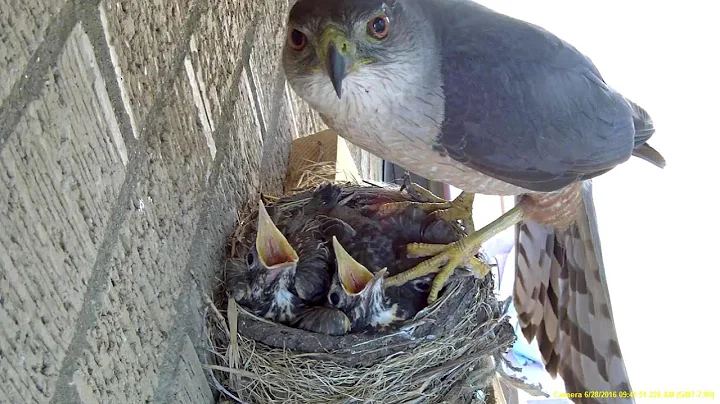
[354,277]
[338,53]
[273,249]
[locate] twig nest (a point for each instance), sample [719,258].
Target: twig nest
[443,354]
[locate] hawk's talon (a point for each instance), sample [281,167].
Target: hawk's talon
[427,267]
[417,250]
[459,209]
[479,267]
[451,255]
[392,207]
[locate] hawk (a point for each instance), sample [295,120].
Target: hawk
[460,94]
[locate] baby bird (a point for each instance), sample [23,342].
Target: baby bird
[359,293]
[283,269]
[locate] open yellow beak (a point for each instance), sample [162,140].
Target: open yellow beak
[273,248]
[354,277]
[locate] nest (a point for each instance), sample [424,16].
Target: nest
[313,174]
[444,354]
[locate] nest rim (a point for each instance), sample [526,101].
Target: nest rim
[254,353]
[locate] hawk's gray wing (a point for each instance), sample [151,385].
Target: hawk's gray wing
[523,106]
[562,300]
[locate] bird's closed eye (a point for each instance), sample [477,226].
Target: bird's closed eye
[250,259]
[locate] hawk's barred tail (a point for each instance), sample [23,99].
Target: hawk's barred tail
[562,300]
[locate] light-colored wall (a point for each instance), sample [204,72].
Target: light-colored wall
[130,131]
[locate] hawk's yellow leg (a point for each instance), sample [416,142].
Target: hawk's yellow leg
[450,256]
[459,208]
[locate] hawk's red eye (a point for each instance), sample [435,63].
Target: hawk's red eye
[379,26]
[297,40]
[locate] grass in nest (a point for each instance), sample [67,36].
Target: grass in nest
[441,367]
[314,174]
[437,368]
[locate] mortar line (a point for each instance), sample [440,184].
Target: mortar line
[31,83]
[95,291]
[92,24]
[180,326]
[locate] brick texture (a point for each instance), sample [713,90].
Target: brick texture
[136,314]
[144,36]
[22,29]
[62,169]
[132,133]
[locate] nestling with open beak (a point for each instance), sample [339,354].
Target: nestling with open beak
[262,277]
[273,279]
[359,293]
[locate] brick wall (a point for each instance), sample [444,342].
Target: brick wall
[130,131]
